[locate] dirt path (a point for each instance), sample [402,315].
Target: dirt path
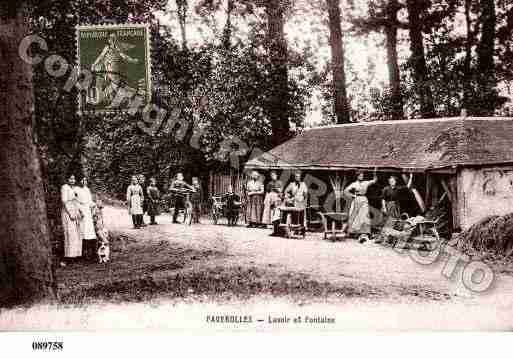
[176,275]
[337,263]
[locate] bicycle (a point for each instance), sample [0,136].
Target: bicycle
[226,205]
[184,214]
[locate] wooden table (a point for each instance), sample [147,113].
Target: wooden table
[292,221]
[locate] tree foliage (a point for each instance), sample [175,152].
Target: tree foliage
[247,71]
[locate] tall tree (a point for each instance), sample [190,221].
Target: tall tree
[392,7]
[227,30]
[182,7]
[418,59]
[467,62]
[341,104]
[25,257]
[278,102]
[487,82]
[383,16]
[60,131]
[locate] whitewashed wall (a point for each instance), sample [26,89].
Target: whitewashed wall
[483,192]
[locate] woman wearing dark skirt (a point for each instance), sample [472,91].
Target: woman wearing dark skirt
[255,196]
[153,200]
[196,199]
[392,195]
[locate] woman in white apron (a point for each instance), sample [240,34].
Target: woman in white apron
[296,195]
[87,231]
[272,201]
[255,196]
[134,200]
[70,215]
[359,216]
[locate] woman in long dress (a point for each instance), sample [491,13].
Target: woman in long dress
[359,216]
[153,200]
[70,215]
[196,199]
[392,195]
[296,195]
[272,198]
[134,200]
[255,196]
[87,230]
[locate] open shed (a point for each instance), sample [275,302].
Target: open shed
[465,161]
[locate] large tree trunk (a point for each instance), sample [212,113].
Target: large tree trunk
[227,31]
[341,104]
[392,59]
[25,257]
[467,64]
[182,7]
[485,63]
[277,47]
[418,59]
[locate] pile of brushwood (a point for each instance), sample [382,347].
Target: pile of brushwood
[492,235]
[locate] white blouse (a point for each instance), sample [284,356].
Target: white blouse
[84,195]
[67,193]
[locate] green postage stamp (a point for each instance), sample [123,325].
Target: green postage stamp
[118,58]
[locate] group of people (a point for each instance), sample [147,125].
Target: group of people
[141,199]
[178,187]
[79,216]
[263,202]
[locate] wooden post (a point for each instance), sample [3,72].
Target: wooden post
[447,190]
[451,190]
[429,183]
[416,194]
[337,192]
[435,189]
[344,184]
[453,186]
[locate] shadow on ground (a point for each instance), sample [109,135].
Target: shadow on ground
[148,270]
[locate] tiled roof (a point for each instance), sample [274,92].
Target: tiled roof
[410,144]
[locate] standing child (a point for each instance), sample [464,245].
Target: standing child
[134,200]
[153,200]
[196,198]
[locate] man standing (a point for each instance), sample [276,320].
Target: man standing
[142,183]
[179,187]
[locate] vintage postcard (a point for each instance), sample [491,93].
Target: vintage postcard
[118,57]
[271,166]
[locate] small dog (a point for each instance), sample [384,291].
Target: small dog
[104,248]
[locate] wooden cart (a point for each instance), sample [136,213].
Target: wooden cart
[292,221]
[420,235]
